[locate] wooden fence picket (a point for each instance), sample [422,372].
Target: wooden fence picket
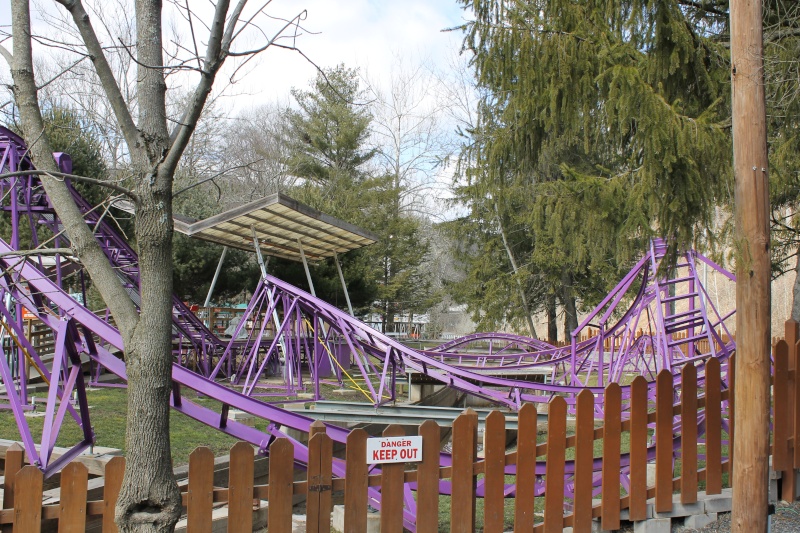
[780,385]
[689,434]
[392,489]
[428,479]
[281,479]
[713,414]
[664,397]
[584,453]
[15,458]
[318,501]
[792,331]
[28,500]
[72,506]
[200,495]
[355,482]
[793,415]
[240,489]
[463,481]
[554,470]
[637,507]
[494,479]
[731,413]
[526,469]
[612,431]
[114,473]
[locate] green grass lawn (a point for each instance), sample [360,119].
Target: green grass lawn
[108,408]
[107,412]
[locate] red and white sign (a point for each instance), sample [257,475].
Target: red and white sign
[394,450]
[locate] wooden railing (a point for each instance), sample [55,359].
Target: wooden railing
[578,461]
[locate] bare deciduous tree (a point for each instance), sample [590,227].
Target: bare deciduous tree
[150,499]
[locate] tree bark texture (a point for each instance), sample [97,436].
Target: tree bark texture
[750,468]
[150,499]
[796,291]
[552,319]
[522,296]
[570,308]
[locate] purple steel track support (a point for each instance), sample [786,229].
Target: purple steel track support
[28,287]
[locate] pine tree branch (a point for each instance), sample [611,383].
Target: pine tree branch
[703,6]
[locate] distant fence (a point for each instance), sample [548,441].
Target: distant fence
[701,345]
[546,497]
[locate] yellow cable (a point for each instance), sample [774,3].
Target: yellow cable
[365,393]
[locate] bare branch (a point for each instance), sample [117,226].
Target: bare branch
[39,251]
[215,176]
[62,175]
[158,67]
[214,59]
[54,78]
[294,22]
[109,83]
[6,55]
[194,37]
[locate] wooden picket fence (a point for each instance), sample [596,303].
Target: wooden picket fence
[647,426]
[702,346]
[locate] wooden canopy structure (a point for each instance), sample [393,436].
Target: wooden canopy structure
[285,228]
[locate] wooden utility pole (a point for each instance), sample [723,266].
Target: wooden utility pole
[750,467]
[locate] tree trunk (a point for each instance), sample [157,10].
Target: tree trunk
[750,163]
[552,319]
[522,296]
[570,309]
[796,291]
[150,500]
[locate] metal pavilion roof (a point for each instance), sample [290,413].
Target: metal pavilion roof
[280,222]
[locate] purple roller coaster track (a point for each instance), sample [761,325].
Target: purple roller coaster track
[647,323]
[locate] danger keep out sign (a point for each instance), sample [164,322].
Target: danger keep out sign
[394,450]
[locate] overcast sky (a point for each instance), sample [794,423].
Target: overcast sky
[360,33]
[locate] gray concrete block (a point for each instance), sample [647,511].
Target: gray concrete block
[653,525]
[680,509]
[717,503]
[337,520]
[699,521]
[219,520]
[625,513]
[597,528]
[298,523]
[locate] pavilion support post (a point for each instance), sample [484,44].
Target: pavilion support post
[305,267]
[214,282]
[751,439]
[344,285]
[263,265]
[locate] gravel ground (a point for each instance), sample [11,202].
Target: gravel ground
[785,520]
